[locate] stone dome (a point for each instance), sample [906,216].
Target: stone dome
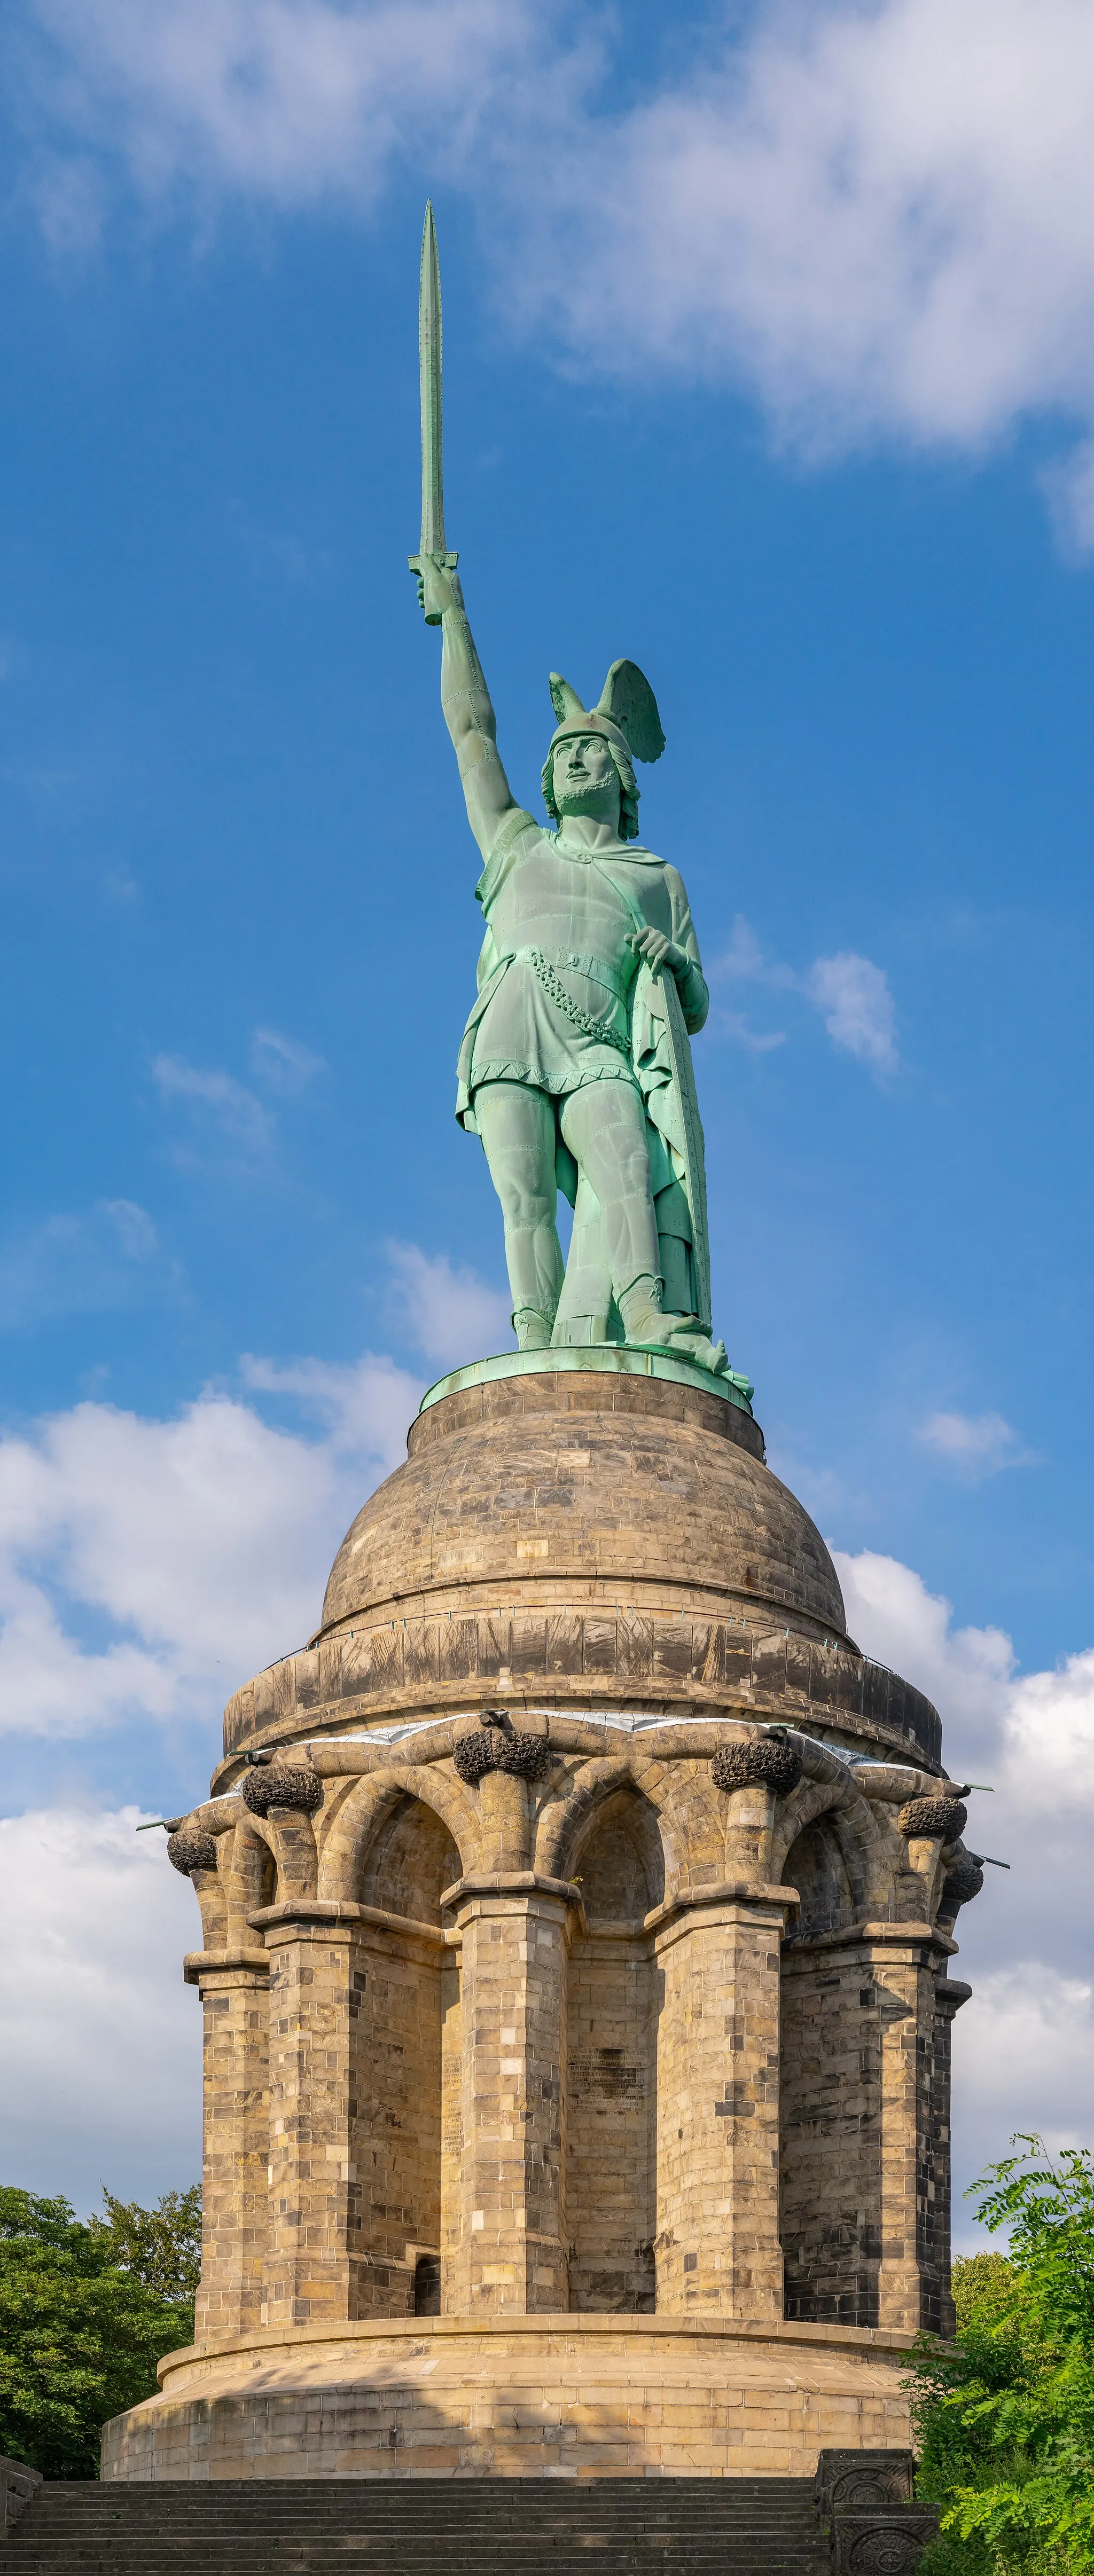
[628,1485]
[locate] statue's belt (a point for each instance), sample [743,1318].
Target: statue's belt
[595,970]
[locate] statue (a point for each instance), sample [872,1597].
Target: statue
[575,1068]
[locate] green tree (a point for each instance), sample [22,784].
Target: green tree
[85,2313]
[1005,2423]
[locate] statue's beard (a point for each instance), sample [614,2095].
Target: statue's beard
[574,798]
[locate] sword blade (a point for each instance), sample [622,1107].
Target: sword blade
[429,360]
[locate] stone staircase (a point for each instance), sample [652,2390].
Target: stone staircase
[422,2527]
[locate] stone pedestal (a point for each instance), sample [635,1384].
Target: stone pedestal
[577,2006]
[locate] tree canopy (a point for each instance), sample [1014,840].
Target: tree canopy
[1005,2421]
[85,2312]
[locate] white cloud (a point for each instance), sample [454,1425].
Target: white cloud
[76,1264]
[449,1314]
[1023,2051]
[853,998]
[850,992]
[879,218]
[1022,2047]
[883,217]
[976,1444]
[965,1671]
[293,101]
[101,2038]
[282,1063]
[236,1111]
[364,1406]
[1049,1739]
[201,1545]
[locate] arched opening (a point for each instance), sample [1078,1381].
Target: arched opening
[411,1860]
[830,2095]
[405,2066]
[427,2286]
[611,2061]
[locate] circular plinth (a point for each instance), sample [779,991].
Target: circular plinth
[549,1475]
[581,1536]
[581,2396]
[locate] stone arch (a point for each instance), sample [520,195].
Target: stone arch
[565,1826]
[409,1860]
[619,1860]
[250,1874]
[391,1852]
[364,1814]
[849,1819]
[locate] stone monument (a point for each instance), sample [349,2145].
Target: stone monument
[578,1906]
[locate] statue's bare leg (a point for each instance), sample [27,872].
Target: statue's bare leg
[517,1127]
[604,1126]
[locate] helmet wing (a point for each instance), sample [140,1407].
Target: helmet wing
[628,700]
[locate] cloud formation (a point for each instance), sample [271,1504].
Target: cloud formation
[197,1547]
[446,1313]
[1022,2047]
[94,1925]
[974,1444]
[880,220]
[237,1112]
[854,1001]
[851,994]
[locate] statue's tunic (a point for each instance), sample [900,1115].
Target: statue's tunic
[559,921]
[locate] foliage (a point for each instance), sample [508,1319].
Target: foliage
[981,2285]
[1005,2422]
[161,2245]
[85,2312]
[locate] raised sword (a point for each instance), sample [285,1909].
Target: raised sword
[429,368]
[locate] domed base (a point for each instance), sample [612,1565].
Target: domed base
[549,2396]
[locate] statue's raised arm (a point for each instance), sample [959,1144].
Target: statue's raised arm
[465,698]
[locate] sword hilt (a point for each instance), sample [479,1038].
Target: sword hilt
[440,563]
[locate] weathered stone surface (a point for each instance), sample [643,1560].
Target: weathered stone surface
[862,2477]
[624,2017]
[17,2485]
[619,1478]
[881,2539]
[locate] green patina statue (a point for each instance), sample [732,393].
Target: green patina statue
[575,1068]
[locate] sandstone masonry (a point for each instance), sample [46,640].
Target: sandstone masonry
[577,1924]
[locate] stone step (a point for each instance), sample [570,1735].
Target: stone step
[422,2527]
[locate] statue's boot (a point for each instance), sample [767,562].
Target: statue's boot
[647,1327]
[533,1330]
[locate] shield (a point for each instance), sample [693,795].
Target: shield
[666,1002]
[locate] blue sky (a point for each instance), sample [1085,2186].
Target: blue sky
[768,363]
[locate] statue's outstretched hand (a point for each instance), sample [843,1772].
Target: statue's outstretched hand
[658,951]
[437,589]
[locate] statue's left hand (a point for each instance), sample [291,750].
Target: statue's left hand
[658,951]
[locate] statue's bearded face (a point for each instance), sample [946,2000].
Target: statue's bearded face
[586,780]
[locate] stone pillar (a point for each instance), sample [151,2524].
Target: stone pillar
[831,2130]
[717,2241]
[308,2271]
[903,1960]
[512,2249]
[937,2304]
[235,2199]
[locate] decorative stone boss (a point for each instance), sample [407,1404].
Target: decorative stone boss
[629,1994]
